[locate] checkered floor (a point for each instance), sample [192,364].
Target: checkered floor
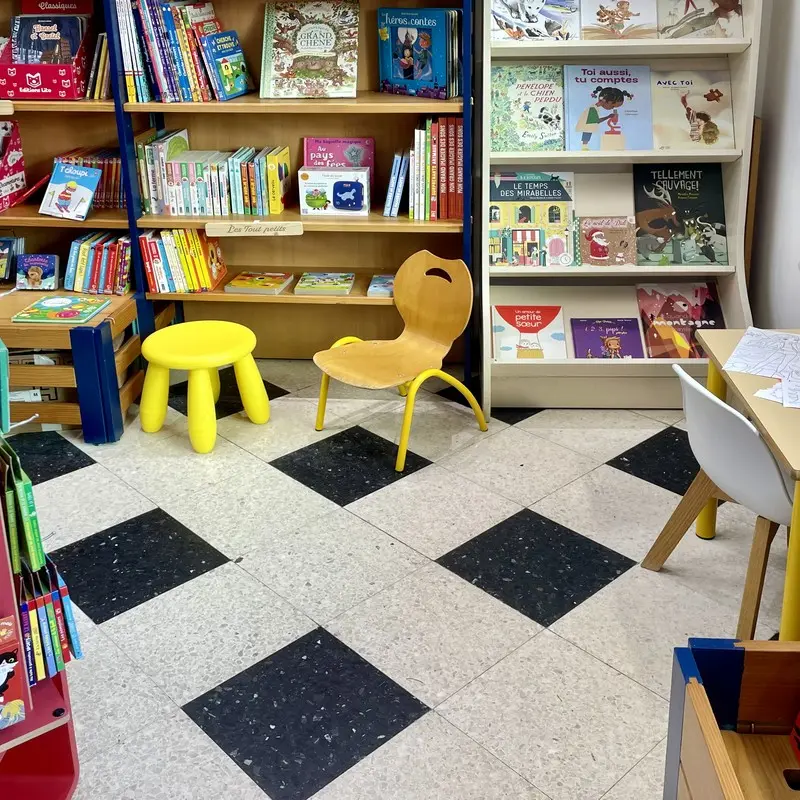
[288,618]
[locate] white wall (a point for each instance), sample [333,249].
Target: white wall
[775,277]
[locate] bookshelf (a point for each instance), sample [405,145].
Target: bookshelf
[603,187]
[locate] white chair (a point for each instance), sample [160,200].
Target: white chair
[735,464]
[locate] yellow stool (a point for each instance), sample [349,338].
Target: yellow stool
[201,348]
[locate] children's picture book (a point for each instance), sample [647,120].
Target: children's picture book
[70,193]
[10,249]
[46,40]
[680,214]
[716,19]
[520,333]
[62,310]
[619,19]
[608,241]
[531,221]
[607,338]
[346,152]
[37,271]
[527,107]
[672,315]
[692,108]
[608,108]
[381,286]
[224,55]
[329,283]
[533,20]
[329,192]
[12,674]
[259,282]
[310,49]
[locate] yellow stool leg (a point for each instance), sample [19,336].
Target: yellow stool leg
[213,373]
[252,390]
[155,394]
[202,416]
[706,527]
[790,616]
[326,382]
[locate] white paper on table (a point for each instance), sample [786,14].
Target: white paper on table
[791,393]
[771,354]
[774,393]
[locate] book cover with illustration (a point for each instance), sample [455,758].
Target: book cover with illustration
[70,193]
[12,671]
[210,252]
[69,310]
[224,55]
[608,108]
[358,151]
[672,315]
[37,271]
[527,107]
[521,333]
[692,109]
[619,19]
[337,283]
[714,19]
[310,49]
[533,20]
[259,282]
[607,338]
[680,214]
[608,241]
[46,40]
[381,286]
[531,219]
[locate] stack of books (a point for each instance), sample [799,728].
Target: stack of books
[99,263]
[98,86]
[181,261]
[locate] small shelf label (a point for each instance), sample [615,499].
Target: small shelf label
[254,228]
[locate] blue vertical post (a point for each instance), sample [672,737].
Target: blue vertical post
[109,386]
[87,378]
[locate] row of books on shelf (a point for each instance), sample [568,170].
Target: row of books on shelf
[181,261]
[669,318]
[679,220]
[98,84]
[545,107]
[618,20]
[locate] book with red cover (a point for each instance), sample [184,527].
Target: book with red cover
[12,704]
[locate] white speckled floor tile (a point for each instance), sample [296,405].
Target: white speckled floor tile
[518,465]
[350,403]
[244,511]
[565,721]
[291,375]
[646,780]
[432,632]
[434,510]
[430,760]
[219,624]
[84,502]
[601,434]
[669,416]
[328,565]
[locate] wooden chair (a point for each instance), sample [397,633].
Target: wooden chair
[434,298]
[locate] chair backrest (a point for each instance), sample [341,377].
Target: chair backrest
[732,453]
[434,297]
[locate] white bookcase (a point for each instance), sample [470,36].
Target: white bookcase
[604,187]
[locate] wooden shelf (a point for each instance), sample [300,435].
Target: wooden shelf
[28,216]
[46,700]
[675,271]
[693,156]
[613,48]
[63,106]
[363,103]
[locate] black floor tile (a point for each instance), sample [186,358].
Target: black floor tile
[229,401]
[300,718]
[451,393]
[665,459]
[110,572]
[536,566]
[511,416]
[48,455]
[348,465]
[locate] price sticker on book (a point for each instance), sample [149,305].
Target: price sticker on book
[254,228]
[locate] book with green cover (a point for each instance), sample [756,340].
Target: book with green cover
[60,310]
[330,283]
[10,516]
[31,547]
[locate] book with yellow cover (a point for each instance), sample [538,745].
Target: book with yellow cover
[259,282]
[194,255]
[210,254]
[279,178]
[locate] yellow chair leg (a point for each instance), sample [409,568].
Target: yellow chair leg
[252,390]
[706,527]
[155,394]
[202,416]
[326,382]
[214,375]
[403,389]
[790,616]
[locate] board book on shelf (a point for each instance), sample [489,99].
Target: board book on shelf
[606,338]
[70,193]
[335,153]
[522,333]
[226,64]
[325,283]
[381,286]
[612,19]
[61,310]
[540,20]
[99,263]
[271,283]
[51,39]
[37,271]
[607,241]
[334,192]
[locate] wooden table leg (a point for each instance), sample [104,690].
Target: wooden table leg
[707,520]
[790,616]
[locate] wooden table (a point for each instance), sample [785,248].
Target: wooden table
[780,428]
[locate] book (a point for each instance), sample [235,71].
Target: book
[347,152]
[259,282]
[606,338]
[692,109]
[329,192]
[325,283]
[608,241]
[12,671]
[310,49]
[37,271]
[680,214]
[5,411]
[531,219]
[225,57]
[521,333]
[62,310]
[381,286]
[46,40]
[71,190]
[533,20]
[718,19]
[527,111]
[279,178]
[608,108]
[619,19]
[400,188]
[672,315]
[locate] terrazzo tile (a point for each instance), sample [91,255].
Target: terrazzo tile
[430,760]
[432,632]
[348,465]
[220,623]
[598,433]
[646,780]
[518,465]
[291,375]
[433,510]
[565,721]
[127,564]
[350,403]
[327,566]
[83,502]
[48,455]
[669,416]
[536,566]
[297,720]
[513,416]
